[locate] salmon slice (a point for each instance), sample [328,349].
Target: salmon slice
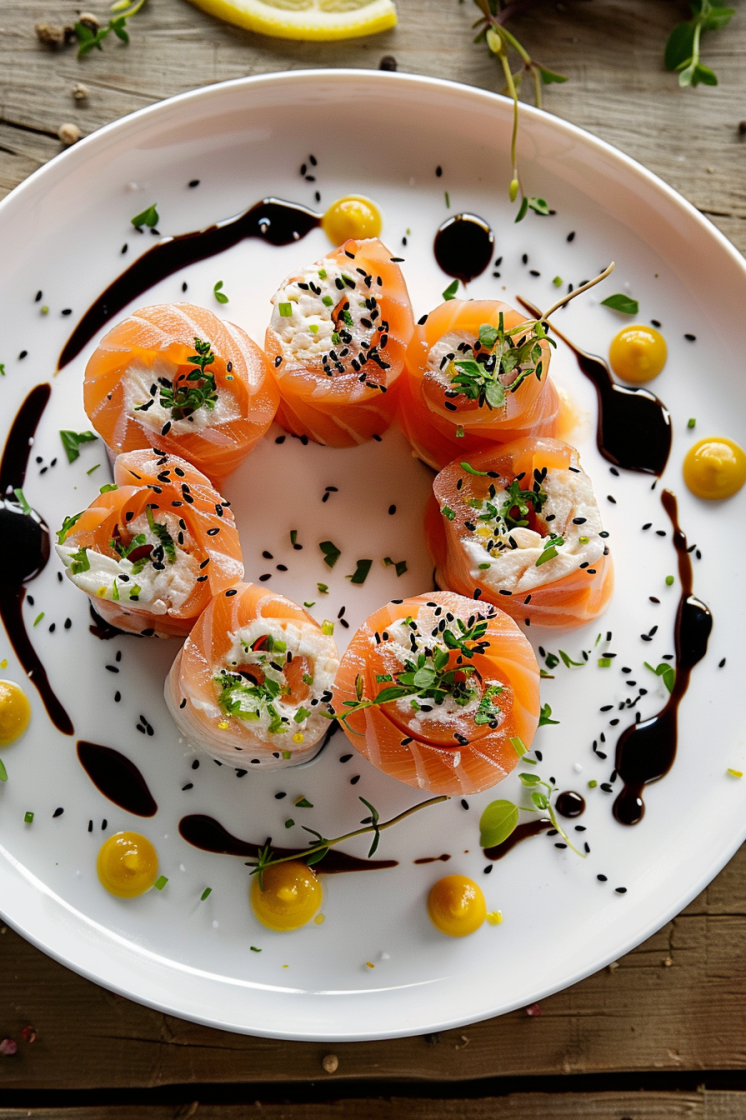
[252,683]
[336,343]
[461,741]
[439,417]
[152,550]
[519,526]
[176,378]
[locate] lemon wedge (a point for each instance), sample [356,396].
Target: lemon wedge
[306,19]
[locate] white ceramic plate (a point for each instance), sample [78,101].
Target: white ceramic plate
[383,135]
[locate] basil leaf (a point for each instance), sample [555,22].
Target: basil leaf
[620,302]
[497,822]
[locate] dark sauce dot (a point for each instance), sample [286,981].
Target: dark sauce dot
[463,246]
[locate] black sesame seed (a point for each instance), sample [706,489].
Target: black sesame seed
[690,337]
[193,183]
[355,780]
[58,812]
[571,236]
[262,579]
[620,890]
[488,868]
[189,785]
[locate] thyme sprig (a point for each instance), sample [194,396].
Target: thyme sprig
[500,818]
[193,390]
[321,845]
[683,48]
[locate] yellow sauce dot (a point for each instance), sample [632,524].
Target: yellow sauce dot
[15,712]
[456,906]
[223,724]
[288,897]
[638,353]
[351,216]
[298,737]
[495,918]
[715,468]
[319,919]
[127,864]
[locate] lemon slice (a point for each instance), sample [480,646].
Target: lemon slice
[306,19]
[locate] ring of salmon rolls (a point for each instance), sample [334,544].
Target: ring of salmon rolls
[477,374]
[336,342]
[174,376]
[154,548]
[440,692]
[520,527]
[252,683]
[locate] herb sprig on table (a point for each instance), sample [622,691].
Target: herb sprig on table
[90,36]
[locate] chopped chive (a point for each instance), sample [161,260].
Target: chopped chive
[604,662]
[303,803]
[254,949]
[360,574]
[289,822]
[557,281]
[205,893]
[691,422]
[285,309]
[286,754]
[450,292]
[93,468]
[669,581]
[293,536]
[448,200]
[327,627]
[160,882]
[38,618]
[22,501]
[448,513]
[331,553]
[28,817]
[309,605]
[592,784]
[518,745]
[327,301]
[3,772]
[322,274]
[322,589]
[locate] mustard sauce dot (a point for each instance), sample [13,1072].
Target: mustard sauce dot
[638,353]
[351,216]
[456,906]
[127,864]
[289,895]
[715,468]
[15,712]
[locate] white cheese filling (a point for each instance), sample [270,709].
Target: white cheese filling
[153,588]
[141,386]
[506,559]
[302,312]
[278,718]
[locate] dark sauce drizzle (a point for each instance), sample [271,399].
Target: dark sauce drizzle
[117,778]
[25,550]
[208,834]
[271,220]
[519,833]
[463,246]
[634,426]
[646,751]
[570,804]
[433,859]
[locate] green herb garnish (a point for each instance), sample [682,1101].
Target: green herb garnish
[331,554]
[450,292]
[67,525]
[71,441]
[219,294]
[193,390]
[21,499]
[160,882]
[620,302]
[545,716]
[666,671]
[549,550]
[285,309]
[148,217]
[163,535]
[205,894]
[500,819]
[683,47]
[28,817]
[88,38]
[360,574]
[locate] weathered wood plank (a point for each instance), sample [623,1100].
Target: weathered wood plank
[610,50]
[642,1015]
[701,1105]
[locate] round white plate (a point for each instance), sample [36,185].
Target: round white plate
[383,135]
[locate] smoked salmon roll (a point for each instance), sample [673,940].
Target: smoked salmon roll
[336,342]
[440,692]
[477,374]
[519,526]
[176,377]
[154,548]
[252,683]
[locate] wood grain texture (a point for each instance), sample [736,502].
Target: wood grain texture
[701,1105]
[639,1016]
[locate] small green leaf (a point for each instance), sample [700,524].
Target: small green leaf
[568,661]
[303,803]
[360,574]
[530,779]
[450,292]
[538,205]
[545,717]
[322,589]
[205,894]
[523,210]
[148,217]
[620,302]
[254,949]
[331,554]
[549,76]
[680,46]
[220,296]
[497,822]
[71,441]
[470,470]
[3,772]
[289,822]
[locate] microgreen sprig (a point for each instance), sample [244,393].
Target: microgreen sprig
[193,390]
[88,38]
[318,849]
[683,46]
[500,818]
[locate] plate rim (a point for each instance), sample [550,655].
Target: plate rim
[48,173]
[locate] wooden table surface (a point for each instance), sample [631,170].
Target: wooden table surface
[663,1033]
